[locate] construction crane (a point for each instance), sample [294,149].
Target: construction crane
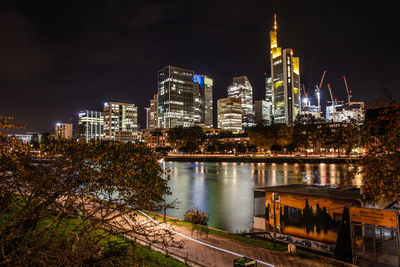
[330,91]
[304,89]
[333,102]
[318,94]
[347,89]
[322,79]
[305,98]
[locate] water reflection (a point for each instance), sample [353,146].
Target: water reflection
[224,190]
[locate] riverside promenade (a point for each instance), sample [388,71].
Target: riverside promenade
[209,249]
[260,159]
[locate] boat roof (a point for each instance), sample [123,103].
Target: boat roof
[314,190]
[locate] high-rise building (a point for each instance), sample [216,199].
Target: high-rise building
[152,114]
[285,73]
[119,116]
[148,117]
[90,125]
[63,130]
[262,110]
[230,114]
[175,97]
[242,89]
[198,104]
[269,99]
[268,89]
[203,100]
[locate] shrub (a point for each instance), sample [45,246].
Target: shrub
[196,216]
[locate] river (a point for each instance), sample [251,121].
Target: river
[224,190]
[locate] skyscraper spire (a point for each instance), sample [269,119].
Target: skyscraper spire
[273,35]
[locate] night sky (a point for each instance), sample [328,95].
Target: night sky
[59,57]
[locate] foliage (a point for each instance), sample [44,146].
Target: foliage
[307,133]
[188,140]
[105,183]
[380,166]
[262,137]
[196,216]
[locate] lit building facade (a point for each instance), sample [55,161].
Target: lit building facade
[90,125]
[285,73]
[126,136]
[262,110]
[148,117]
[152,114]
[28,137]
[345,112]
[242,89]
[175,97]
[268,99]
[156,139]
[310,109]
[230,114]
[330,111]
[63,131]
[119,116]
[203,100]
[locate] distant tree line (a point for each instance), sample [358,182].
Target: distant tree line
[307,133]
[193,140]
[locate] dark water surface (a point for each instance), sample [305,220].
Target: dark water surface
[224,190]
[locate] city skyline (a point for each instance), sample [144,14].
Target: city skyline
[62,63]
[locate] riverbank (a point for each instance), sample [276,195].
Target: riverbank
[256,248]
[261,159]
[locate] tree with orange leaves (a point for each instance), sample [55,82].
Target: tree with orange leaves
[52,207]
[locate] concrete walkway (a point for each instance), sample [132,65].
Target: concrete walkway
[206,249]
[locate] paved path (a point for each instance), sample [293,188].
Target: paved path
[215,250]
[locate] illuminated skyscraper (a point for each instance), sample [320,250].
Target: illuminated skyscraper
[268,101]
[285,73]
[175,97]
[120,121]
[90,125]
[262,112]
[203,100]
[242,89]
[230,114]
[152,114]
[148,117]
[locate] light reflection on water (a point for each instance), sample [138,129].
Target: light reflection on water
[224,190]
